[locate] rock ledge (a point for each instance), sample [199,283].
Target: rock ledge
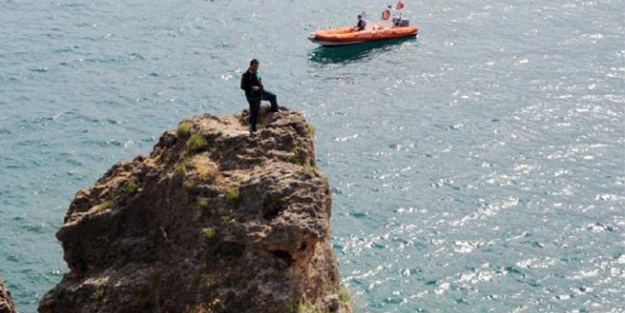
[213,220]
[6,304]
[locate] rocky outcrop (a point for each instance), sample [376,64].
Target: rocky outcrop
[6,304]
[215,219]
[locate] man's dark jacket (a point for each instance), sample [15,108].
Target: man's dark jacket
[248,80]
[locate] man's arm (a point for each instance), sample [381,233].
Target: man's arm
[244,82]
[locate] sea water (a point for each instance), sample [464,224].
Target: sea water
[477,168]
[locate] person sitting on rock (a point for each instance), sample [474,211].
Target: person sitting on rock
[252,84]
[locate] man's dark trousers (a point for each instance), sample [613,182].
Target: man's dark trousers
[255,106]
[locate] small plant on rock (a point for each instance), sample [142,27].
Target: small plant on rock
[233,195]
[105,205]
[196,144]
[296,160]
[225,215]
[182,166]
[132,186]
[202,202]
[184,128]
[188,185]
[344,295]
[303,307]
[216,306]
[309,167]
[204,168]
[98,295]
[280,200]
[208,233]
[312,131]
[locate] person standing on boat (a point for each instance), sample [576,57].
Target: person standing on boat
[252,84]
[397,19]
[400,6]
[361,24]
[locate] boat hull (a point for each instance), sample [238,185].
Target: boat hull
[346,35]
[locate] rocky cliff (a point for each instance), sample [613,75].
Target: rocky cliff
[215,219]
[6,304]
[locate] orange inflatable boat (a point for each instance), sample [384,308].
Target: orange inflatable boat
[349,36]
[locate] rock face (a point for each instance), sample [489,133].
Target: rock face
[213,220]
[6,304]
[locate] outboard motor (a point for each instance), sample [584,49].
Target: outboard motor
[401,22]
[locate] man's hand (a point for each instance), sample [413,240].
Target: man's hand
[255,88]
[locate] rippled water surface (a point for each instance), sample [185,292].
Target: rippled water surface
[477,168]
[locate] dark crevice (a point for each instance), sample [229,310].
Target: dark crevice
[273,209]
[227,249]
[283,256]
[303,246]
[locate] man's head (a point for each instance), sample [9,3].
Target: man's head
[254,65]
[360,17]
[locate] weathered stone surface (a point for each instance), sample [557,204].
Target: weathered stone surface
[6,304]
[213,220]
